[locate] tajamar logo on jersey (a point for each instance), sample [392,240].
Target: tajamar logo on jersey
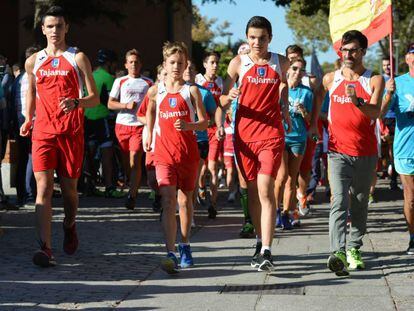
[55,62]
[261,71]
[172,102]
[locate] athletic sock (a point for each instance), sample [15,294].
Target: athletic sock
[411,236]
[264,248]
[184,244]
[244,203]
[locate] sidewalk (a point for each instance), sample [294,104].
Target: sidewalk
[117,265]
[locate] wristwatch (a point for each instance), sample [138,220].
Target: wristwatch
[76,102]
[361,102]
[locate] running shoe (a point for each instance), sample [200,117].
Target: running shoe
[201,197]
[278,218]
[337,263]
[185,256]
[265,262]
[254,263]
[303,205]
[371,199]
[295,219]
[410,249]
[212,211]
[151,195]
[44,257]
[112,193]
[247,231]
[354,259]
[222,184]
[130,202]
[70,240]
[170,264]
[286,222]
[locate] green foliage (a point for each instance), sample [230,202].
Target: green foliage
[309,31]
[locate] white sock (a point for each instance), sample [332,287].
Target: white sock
[264,248]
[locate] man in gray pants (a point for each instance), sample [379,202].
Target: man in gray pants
[355,101]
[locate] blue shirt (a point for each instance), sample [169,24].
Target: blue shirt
[325,104]
[403,106]
[210,106]
[299,95]
[390,113]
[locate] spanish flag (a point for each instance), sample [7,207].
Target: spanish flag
[372,17]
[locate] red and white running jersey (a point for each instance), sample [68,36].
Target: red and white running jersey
[215,87]
[126,89]
[350,131]
[57,77]
[170,145]
[258,114]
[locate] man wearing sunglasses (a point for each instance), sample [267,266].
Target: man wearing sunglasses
[400,92]
[355,102]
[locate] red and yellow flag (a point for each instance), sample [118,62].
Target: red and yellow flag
[372,17]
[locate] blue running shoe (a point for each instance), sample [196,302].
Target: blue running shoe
[185,255]
[170,264]
[286,223]
[278,218]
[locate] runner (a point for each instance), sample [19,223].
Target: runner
[313,126]
[98,130]
[202,136]
[403,107]
[171,113]
[126,96]
[259,133]
[355,101]
[56,76]
[214,84]
[300,108]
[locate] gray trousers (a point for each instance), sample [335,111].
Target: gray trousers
[350,179]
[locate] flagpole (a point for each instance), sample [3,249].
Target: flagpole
[391,47]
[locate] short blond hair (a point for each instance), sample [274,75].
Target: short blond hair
[171,48]
[132,52]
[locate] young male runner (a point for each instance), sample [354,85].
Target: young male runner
[171,123]
[126,96]
[403,107]
[355,102]
[259,133]
[56,76]
[214,84]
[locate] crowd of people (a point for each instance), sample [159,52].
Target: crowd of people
[273,128]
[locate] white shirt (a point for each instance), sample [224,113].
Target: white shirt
[126,89]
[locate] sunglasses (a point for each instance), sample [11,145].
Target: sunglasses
[296,68]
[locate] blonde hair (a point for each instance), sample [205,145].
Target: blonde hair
[171,48]
[132,52]
[159,69]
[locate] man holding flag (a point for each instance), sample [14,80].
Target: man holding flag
[355,102]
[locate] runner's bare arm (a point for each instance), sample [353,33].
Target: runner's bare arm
[373,108]
[284,92]
[115,104]
[30,96]
[202,122]
[150,115]
[390,86]
[230,93]
[86,74]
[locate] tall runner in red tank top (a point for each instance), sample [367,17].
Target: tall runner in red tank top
[259,134]
[56,76]
[211,81]
[171,125]
[355,101]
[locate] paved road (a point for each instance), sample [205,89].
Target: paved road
[117,265]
